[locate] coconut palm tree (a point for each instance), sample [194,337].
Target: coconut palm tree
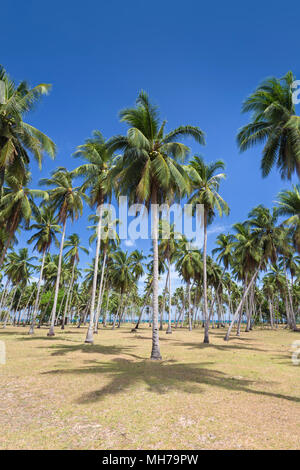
[149,170]
[17,205]
[99,157]
[206,184]
[274,124]
[66,200]
[46,228]
[72,255]
[19,139]
[289,205]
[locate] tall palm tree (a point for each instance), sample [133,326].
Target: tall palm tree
[289,205]
[274,124]
[149,169]
[122,276]
[99,157]
[66,200]
[19,139]
[17,205]
[46,228]
[206,184]
[72,255]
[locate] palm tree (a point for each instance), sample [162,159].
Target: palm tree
[17,138]
[17,205]
[149,170]
[46,229]
[205,191]
[18,271]
[274,124]
[72,255]
[67,201]
[289,205]
[96,171]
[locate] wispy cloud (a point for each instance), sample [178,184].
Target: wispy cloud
[218,229]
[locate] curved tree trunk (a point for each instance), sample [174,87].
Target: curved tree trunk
[68,295]
[205,306]
[155,353]
[89,335]
[99,303]
[31,330]
[241,303]
[53,313]
[169,329]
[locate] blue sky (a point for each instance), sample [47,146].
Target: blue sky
[197,60]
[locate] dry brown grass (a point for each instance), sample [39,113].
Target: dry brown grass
[58,393]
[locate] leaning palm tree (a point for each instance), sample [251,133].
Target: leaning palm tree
[206,184]
[17,205]
[67,202]
[99,157]
[274,124]
[149,170]
[19,139]
[289,205]
[72,255]
[46,227]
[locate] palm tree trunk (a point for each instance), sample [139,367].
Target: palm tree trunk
[206,319]
[189,302]
[89,335]
[155,353]
[99,303]
[235,316]
[53,313]
[31,330]
[68,295]
[169,329]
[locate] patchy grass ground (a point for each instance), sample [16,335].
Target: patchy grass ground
[58,393]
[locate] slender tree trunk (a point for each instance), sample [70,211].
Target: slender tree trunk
[31,330]
[68,295]
[99,303]
[142,310]
[53,313]
[206,319]
[169,329]
[241,304]
[189,302]
[89,335]
[155,353]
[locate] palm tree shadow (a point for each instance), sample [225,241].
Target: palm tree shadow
[63,349]
[161,378]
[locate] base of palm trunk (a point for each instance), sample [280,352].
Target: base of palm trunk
[169,331]
[134,330]
[62,327]
[51,331]
[156,358]
[89,336]
[95,332]
[31,330]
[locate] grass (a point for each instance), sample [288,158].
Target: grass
[58,393]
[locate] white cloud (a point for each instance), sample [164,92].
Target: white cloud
[129,243]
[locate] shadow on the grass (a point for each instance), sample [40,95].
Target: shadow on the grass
[62,350]
[161,378]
